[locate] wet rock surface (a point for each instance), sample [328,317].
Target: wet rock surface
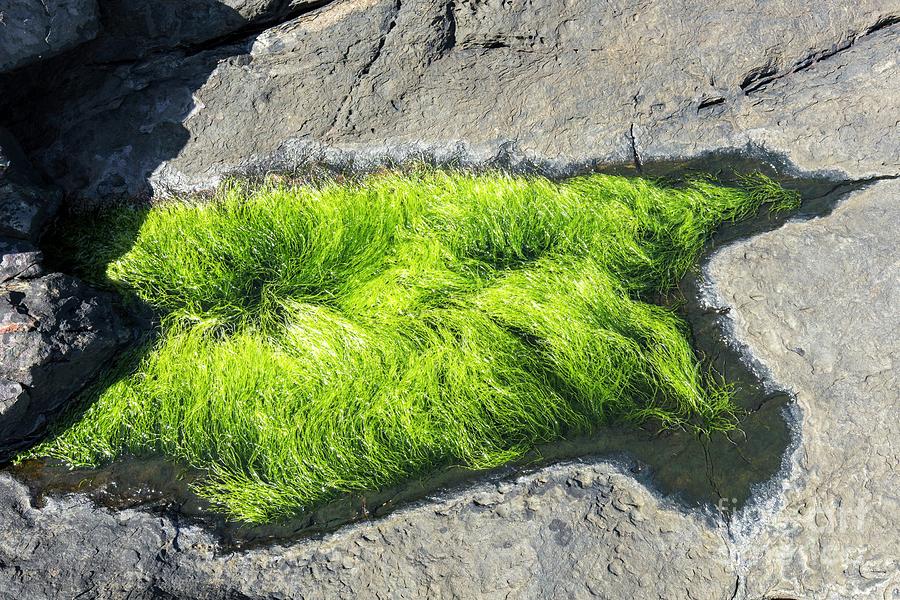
[814,302]
[818,304]
[572,531]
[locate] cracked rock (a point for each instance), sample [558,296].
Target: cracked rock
[176,103]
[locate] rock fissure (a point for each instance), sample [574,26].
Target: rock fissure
[710,102]
[367,67]
[635,153]
[248,32]
[448,43]
[49,21]
[762,77]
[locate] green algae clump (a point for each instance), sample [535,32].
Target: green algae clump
[323,339]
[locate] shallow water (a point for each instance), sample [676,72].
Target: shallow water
[721,470]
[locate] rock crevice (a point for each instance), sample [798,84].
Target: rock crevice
[763,76]
[55,332]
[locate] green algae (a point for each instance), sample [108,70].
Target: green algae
[318,340]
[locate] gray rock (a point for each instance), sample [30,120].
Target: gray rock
[24,209]
[571,531]
[834,114]
[819,306]
[37,29]
[55,333]
[557,85]
[19,260]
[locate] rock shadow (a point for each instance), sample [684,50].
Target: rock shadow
[127,71]
[140,74]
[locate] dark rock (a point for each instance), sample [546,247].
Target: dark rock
[19,260]
[136,28]
[25,205]
[55,333]
[24,209]
[37,29]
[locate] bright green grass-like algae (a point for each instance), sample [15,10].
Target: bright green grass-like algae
[339,337]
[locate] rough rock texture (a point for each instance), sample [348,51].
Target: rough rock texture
[36,29]
[55,332]
[558,84]
[816,302]
[819,304]
[19,259]
[25,204]
[578,531]
[836,113]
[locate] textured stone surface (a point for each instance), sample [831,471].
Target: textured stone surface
[19,259]
[838,115]
[815,302]
[559,84]
[138,28]
[36,29]
[819,304]
[55,333]
[577,531]
[25,204]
